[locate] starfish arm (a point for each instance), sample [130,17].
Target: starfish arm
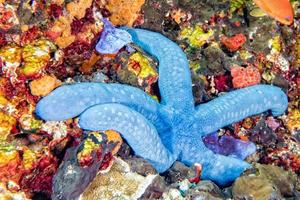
[174,81]
[218,168]
[69,101]
[140,134]
[237,105]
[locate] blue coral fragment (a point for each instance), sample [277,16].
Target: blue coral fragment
[172,129]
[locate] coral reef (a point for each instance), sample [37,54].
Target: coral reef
[45,44]
[176,111]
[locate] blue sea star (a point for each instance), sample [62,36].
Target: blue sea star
[172,129]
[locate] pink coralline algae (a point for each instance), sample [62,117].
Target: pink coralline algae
[244,77]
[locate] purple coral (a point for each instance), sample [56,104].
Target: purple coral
[229,146]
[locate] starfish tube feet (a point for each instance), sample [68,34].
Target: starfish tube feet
[239,104]
[140,134]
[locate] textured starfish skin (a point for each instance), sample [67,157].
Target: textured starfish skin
[170,130]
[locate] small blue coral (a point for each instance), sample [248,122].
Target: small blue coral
[172,129]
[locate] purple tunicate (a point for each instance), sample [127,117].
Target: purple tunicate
[229,146]
[112,39]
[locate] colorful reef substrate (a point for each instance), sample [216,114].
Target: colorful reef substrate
[149,99]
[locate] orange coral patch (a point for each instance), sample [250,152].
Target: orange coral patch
[124,12]
[44,85]
[243,77]
[234,43]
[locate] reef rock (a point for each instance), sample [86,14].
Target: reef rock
[283,180]
[187,190]
[178,172]
[119,183]
[268,182]
[256,188]
[140,166]
[155,190]
[205,190]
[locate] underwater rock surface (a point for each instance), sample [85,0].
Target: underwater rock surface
[118,183]
[266,182]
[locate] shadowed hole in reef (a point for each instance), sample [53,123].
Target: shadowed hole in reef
[156,90]
[40,196]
